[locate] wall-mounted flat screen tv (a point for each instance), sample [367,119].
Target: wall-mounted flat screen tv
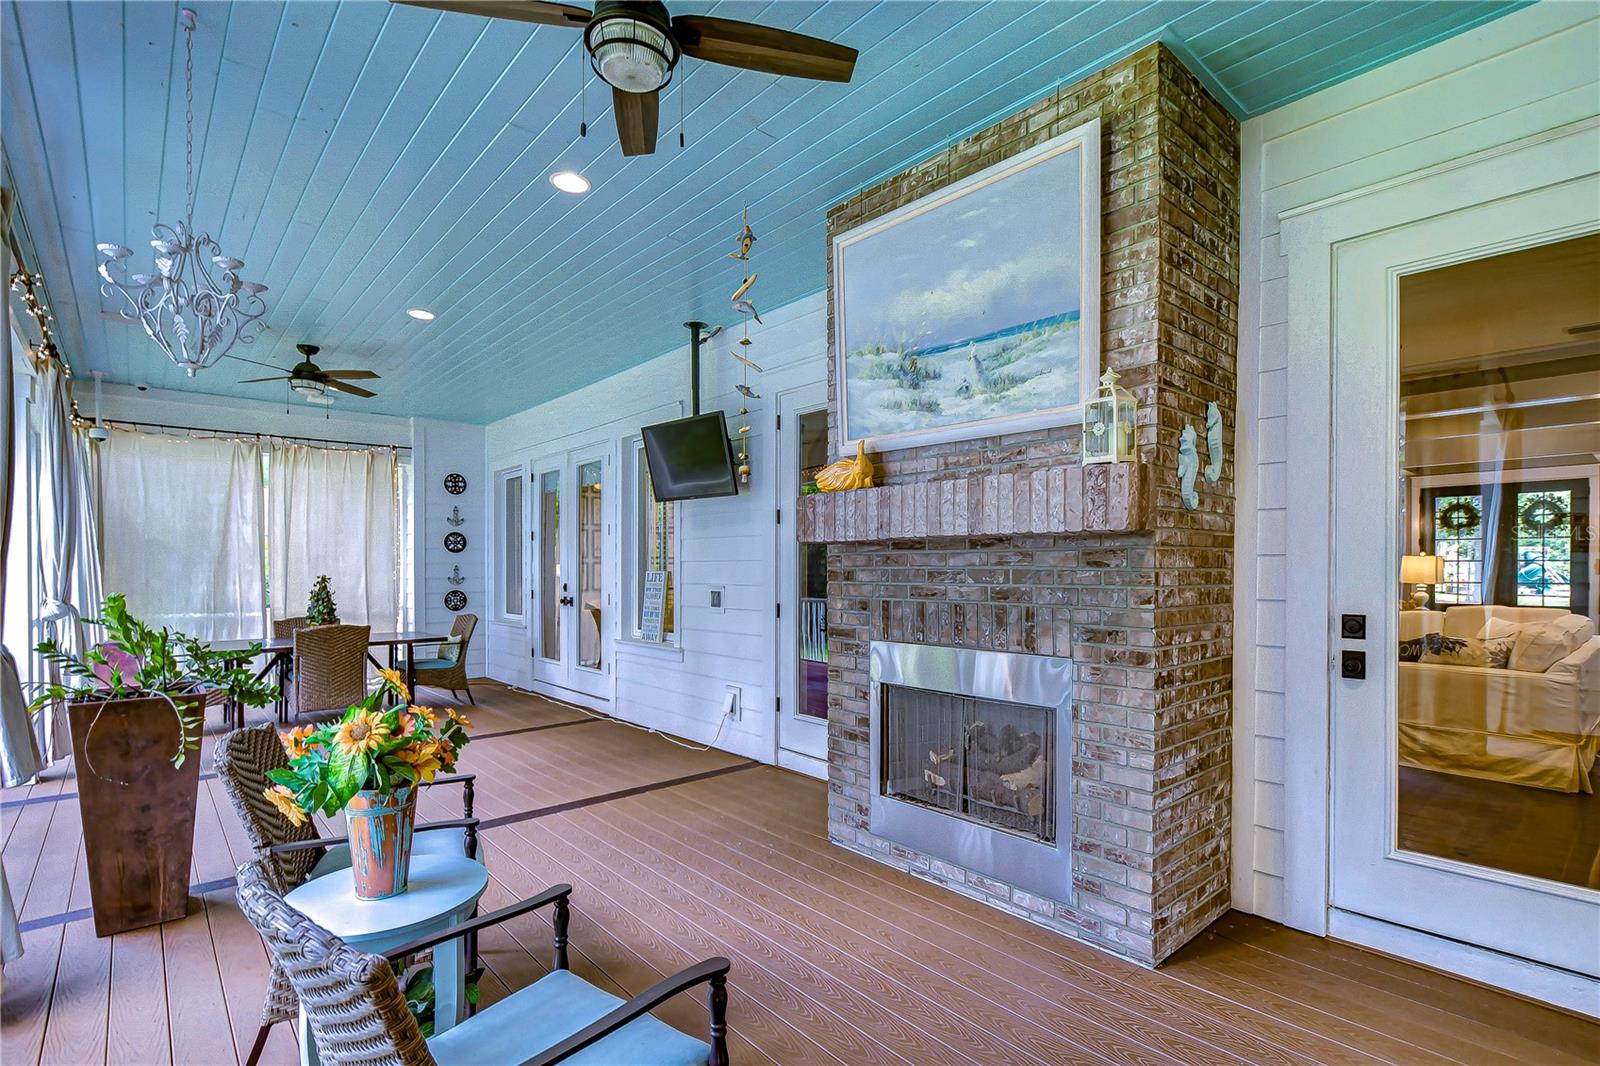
[691,458]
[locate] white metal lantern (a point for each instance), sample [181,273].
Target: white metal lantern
[1108,424]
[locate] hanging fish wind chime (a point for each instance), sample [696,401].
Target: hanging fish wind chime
[743,304]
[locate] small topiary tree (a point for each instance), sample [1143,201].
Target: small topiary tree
[322,611]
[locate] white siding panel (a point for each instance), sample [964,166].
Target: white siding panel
[1529,72]
[727,543]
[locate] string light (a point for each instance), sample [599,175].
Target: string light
[28,286]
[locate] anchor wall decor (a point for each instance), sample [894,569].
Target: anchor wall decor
[455,577]
[454,517]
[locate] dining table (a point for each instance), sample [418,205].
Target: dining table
[280,650]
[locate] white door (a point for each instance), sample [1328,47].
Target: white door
[1464,463]
[802,588]
[574,540]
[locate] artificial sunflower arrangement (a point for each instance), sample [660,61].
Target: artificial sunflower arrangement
[371,748]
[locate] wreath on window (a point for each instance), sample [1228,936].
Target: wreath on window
[1460,516]
[1544,515]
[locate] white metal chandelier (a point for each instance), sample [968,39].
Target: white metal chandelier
[194,306]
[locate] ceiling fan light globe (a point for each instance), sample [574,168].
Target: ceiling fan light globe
[631,54]
[307,387]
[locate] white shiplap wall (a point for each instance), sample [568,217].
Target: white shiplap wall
[440,448]
[1520,75]
[729,542]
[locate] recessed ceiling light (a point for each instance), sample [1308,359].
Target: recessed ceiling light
[569,181]
[421,314]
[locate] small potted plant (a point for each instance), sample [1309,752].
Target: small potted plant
[321,610]
[135,702]
[369,763]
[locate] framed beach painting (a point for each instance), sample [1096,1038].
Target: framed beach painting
[976,310]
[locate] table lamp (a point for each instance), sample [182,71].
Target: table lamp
[1420,570]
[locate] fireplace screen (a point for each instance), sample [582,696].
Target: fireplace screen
[989,761]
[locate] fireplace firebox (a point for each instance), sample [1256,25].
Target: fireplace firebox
[973,757]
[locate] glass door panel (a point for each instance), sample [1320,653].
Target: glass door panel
[551,591]
[1495,724]
[813,582]
[591,553]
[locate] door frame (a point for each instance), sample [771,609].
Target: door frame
[1309,238]
[804,399]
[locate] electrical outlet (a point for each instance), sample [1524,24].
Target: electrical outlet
[715,598]
[733,707]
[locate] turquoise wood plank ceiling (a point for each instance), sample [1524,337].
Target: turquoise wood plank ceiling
[364,158]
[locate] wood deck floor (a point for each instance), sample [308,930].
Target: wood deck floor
[676,855]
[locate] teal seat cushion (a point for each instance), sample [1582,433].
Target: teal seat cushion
[435,664]
[552,1009]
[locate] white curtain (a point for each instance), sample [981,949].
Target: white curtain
[181,529]
[335,511]
[68,557]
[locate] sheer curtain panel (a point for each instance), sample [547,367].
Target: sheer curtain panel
[335,511]
[181,528]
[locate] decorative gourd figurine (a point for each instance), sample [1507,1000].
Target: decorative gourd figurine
[847,473]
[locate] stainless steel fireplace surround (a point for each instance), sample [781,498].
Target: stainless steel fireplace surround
[1028,845]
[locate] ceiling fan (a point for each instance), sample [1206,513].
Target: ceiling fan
[635,46]
[313,382]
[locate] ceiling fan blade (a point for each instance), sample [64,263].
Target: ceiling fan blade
[545,14]
[636,120]
[744,44]
[350,375]
[255,381]
[354,390]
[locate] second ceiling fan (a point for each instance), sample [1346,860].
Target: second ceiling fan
[634,47]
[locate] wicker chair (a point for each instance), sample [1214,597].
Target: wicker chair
[283,629]
[448,669]
[357,1016]
[291,855]
[330,668]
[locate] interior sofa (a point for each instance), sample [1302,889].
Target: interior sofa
[1540,729]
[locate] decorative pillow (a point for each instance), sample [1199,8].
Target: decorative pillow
[1467,651]
[450,649]
[1540,645]
[1501,627]
[1411,650]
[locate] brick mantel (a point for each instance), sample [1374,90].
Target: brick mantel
[1065,498]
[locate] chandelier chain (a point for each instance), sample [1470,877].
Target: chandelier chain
[188,118]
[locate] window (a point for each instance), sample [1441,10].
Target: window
[508,504]
[1517,544]
[655,552]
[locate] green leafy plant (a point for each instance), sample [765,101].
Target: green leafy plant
[321,610]
[136,661]
[369,747]
[416,984]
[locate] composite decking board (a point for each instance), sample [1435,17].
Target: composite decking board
[734,893]
[833,957]
[827,980]
[1554,1029]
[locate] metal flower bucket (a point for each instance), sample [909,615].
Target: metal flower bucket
[380,826]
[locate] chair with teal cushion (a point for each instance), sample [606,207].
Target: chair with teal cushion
[294,854]
[447,667]
[356,1013]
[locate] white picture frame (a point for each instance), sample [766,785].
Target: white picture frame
[853,256]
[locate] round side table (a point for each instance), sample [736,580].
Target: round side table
[443,891]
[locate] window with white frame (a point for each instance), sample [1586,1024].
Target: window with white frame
[654,577]
[508,559]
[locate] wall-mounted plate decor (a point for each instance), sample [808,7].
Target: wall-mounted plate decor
[455,600]
[455,541]
[455,484]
